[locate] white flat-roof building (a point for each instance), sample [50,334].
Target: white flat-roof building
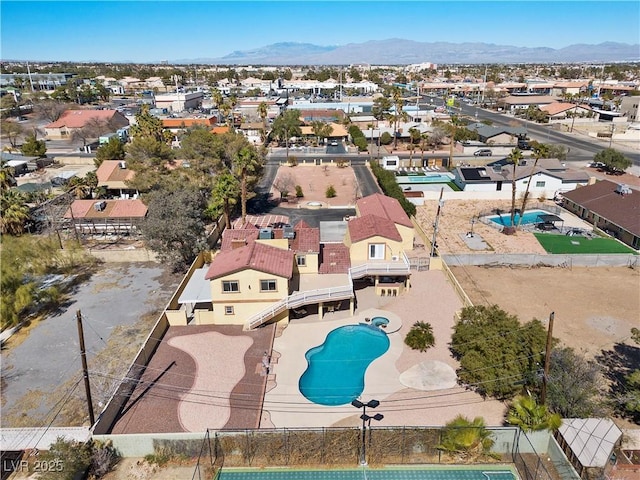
[179,102]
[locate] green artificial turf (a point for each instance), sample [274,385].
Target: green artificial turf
[578,244]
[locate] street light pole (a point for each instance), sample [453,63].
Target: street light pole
[365,418]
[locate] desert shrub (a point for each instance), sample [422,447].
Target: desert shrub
[330,192]
[420,337]
[299,193]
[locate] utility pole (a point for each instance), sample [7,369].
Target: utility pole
[85,370]
[435,225]
[547,359]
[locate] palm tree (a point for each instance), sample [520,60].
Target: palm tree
[14,212]
[424,142]
[515,156]
[245,163]
[224,195]
[469,439]
[263,111]
[537,154]
[526,413]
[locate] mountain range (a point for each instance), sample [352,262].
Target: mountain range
[402,52]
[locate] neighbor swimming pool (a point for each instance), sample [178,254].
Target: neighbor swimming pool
[335,370]
[530,216]
[433,178]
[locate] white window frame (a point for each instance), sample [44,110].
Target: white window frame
[541,183]
[269,281]
[230,284]
[228,310]
[376,251]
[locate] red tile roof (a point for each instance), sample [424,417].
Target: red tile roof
[220,129]
[187,122]
[254,256]
[369,226]
[301,224]
[230,236]
[602,199]
[383,206]
[113,209]
[306,240]
[334,258]
[79,118]
[110,171]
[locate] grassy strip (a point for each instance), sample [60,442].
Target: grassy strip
[560,244]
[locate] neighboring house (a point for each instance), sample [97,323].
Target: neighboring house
[609,206]
[72,120]
[338,133]
[119,217]
[517,102]
[549,178]
[497,135]
[630,108]
[569,88]
[175,125]
[561,110]
[254,131]
[275,272]
[113,176]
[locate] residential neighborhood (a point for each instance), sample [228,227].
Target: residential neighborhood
[264,259]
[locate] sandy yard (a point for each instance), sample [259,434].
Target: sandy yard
[455,222]
[594,307]
[314,181]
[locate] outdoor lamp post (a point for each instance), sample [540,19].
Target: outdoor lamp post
[473,221]
[366,418]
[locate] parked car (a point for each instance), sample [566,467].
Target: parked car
[483,152]
[524,144]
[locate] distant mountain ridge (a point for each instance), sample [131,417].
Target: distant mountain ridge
[397,51]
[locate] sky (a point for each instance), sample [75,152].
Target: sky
[151,31]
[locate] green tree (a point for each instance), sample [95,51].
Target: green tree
[496,352]
[514,157]
[420,336]
[321,130]
[613,160]
[181,209]
[224,195]
[574,385]
[287,125]
[467,439]
[246,164]
[73,458]
[263,111]
[205,152]
[381,105]
[148,158]
[11,131]
[33,147]
[525,412]
[14,212]
[112,150]
[149,126]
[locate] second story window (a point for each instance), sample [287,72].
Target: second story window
[268,285]
[230,286]
[376,251]
[302,260]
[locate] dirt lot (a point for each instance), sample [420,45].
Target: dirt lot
[314,181]
[594,307]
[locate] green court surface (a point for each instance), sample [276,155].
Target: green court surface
[407,473]
[578,244]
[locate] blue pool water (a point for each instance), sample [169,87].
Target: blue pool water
[335,370]
[434,178]
[530,216]
[379,321]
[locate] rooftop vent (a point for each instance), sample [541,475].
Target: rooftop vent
[123,164]
[623,189]
[482,172]
[265,234]
[287,231]
[100,206]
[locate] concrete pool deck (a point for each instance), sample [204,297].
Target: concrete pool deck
[431,299]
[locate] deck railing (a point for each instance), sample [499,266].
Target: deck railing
[300,299]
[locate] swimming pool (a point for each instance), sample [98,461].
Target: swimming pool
[530,216]
[335,370]
[432,178]
[407,473]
